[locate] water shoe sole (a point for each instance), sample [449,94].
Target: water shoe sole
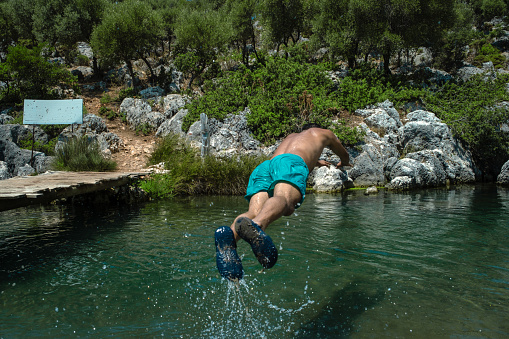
[261,244]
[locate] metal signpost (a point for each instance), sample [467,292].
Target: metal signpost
[51,112]
[204,123]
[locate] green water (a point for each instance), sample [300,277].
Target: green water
[431,264]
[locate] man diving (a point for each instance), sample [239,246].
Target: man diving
[276,187]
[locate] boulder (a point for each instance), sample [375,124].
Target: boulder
[173,125]
[382,118]
[5,118]
[95,129]
[232,133]
[17,133]
[15,157]
[503,177]
[173,103]
[152,92]
[139,114]
[25,170]
[4,171]
[328,179]
[432,156]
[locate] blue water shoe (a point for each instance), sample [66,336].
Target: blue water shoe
[227,260]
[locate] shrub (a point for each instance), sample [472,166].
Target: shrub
[470,111]
[82,154]
[47,148]
[108,113]
[82,60]
[189,174]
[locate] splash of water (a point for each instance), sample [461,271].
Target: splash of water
[246,312]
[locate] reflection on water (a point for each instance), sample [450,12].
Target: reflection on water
[432,263]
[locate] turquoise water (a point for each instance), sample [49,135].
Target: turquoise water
[431,263]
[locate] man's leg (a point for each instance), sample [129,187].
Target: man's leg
[286,196]
[255,205]
[282,203]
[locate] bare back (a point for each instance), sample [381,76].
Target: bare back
[309,145]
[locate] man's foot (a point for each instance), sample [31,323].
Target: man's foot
[260,242]
[227,260]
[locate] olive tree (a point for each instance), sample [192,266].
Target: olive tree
[242,15]
[128,31]
[201,36]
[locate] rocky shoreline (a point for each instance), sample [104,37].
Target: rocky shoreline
[400,153]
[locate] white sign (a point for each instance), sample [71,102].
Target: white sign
[53,112]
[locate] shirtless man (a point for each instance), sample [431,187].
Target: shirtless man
[276,187]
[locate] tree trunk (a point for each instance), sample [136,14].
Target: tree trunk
[131,71]
[387,58]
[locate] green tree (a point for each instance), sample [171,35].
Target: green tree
[386,26]
[485,10]
[450,51]
[19,15]
[202,35]
[29,74]
[128,31]
[242,14]
[283,20]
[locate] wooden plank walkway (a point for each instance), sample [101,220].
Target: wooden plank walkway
[44,188]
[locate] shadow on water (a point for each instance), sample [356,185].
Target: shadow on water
[338,317]
[52,232]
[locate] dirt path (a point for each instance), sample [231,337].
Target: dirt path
[134,154]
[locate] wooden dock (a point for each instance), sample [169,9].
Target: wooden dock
[41,189]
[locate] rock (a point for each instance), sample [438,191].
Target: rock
[173,125]
[382,119]
[401,183]
[25,170]
[152,92]
[328,179]
[18,133]
[4,171]
[232,133]
[173,79]
[95,129]
[424,131]
[466,73]
[173,103]
[503,177]
[15,157]
[5,118]
[371,190]
[139,114]
[85,49]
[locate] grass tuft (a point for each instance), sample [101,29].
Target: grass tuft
[82,154]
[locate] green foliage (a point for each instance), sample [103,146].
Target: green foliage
[82,60]
[82,154]
[108,113]
[144,129]
[128,31]
[47,148]
[201,35]
[348,135]
[489,53]
[30,75]
[469,110]
[189,174]
[282,96]
[126,93]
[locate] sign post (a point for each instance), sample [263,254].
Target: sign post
[51,112]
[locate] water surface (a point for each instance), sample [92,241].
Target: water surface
[431,263]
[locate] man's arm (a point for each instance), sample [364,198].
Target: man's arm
[336,147]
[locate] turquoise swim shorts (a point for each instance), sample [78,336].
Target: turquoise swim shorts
[289,168]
